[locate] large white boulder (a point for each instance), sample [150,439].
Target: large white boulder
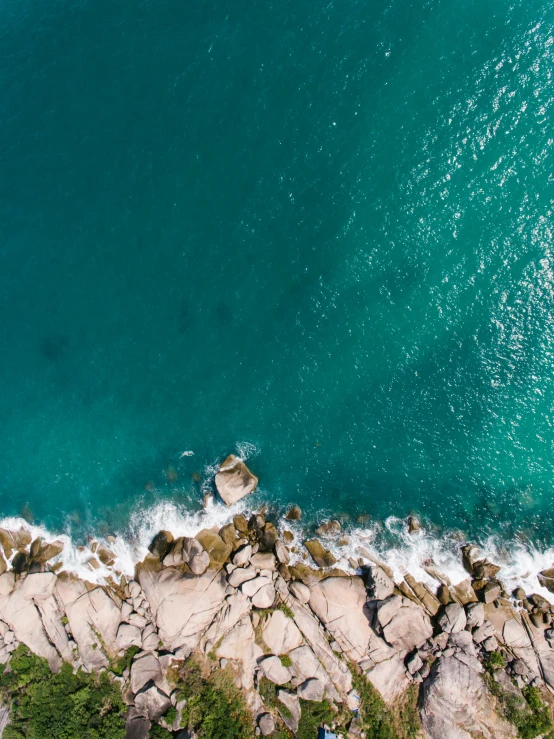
[234,480]
[403,624]
[274,670]
[281,634]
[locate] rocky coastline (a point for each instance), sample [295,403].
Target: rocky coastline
[290,632]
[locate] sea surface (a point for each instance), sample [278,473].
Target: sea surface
[317,235]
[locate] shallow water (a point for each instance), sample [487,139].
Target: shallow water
[316,235]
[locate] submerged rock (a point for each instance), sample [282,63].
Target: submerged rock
[294,513]
[234,480]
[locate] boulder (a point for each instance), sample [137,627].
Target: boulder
[20,563]
[129,636]
[403,624]
[241,575]
[234,480]
[251,587]
[161,544]
[242,555]
[485,570]
[137,726]
[7,542]
[218,550]
[312,689]
[321,556]
[294,513]
[475,613]
[329,529]
[267,538]
[145,668]
[105,555]
[281,552]
[264,561]
[281,634]
[452,619]
[3,565]
[152,702]
[300,591]
[274,670]
[413,525]
[490,592]
[266,723]
[228,533]
[240,523]
[265,597]
[199,563]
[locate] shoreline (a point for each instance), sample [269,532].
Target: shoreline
[244,600]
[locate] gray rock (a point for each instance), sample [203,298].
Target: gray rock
[475,613]
[241,575]
[282,553]
[300,591]
[152,702]
[264,597]
[294,513]
[281,634]
[137,726]
[414,663]
[264,561]
[274,670]
[144,669]
[266,723]
[128,636]
[251,587]
[452,619]
[234,480]
[242,555]
[312,689]
[321,556]
[161,544]
[403,624]
[490,592]
[381,584]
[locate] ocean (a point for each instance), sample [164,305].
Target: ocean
[318,236]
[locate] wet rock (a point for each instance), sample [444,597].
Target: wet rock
[546,579]
[413,525]
[228,533]
[20,563]
[294,513]
[485,570]
[321,556]
[288,537]
[470,555]
[267,538]
[22,538]
[240,523]
[3,565]
[519,594]
[214,545]
[256,522]
[540,602]
[105,555]
[161,544]
[312,689]
[329,529]
[207,500]
[7,542]
[443,594]
[464,593]
[234,480]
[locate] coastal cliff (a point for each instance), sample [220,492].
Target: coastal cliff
[232,633]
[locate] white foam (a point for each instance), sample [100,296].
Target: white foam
[390,542]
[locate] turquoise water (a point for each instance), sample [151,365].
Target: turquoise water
[320,232]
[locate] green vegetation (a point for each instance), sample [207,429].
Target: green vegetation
[313,715]
[286,660]
[118,666]
[495,662]
[380,722]
[158,732]
[215,707]
[529,714]
[286,610]
[170,715]
[59,706]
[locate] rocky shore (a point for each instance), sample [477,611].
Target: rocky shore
[309,627]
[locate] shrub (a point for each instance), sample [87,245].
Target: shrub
[527,712]
[286,660]
[118,666]
[170,715]
[495,661]
[215,708]
[313,715]
[158,732]
[287,611]
[59,706]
